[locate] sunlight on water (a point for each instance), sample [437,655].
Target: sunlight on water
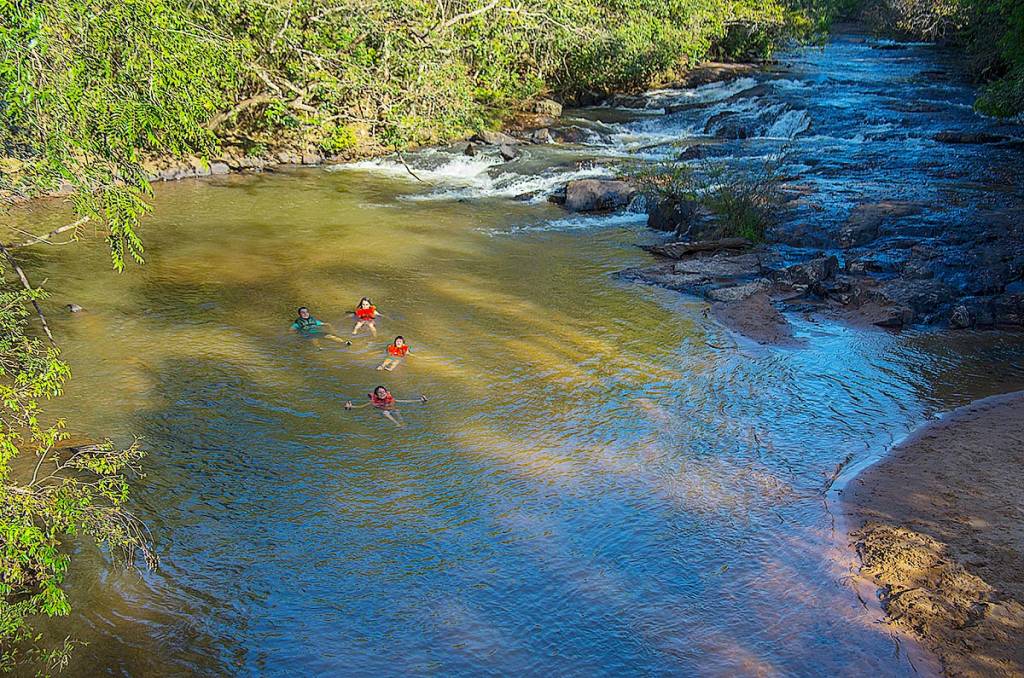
[603,482]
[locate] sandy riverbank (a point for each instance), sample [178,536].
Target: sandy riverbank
[939,526]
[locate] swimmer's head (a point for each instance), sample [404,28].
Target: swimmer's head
[365,303]
[380,392]
[399,340]
[303,312]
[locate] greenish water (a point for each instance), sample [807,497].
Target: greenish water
[591,489]
[603,482]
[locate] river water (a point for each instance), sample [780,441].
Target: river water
[603,482]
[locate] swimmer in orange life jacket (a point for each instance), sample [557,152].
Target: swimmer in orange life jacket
[365,313]
[396,351]
[382,399]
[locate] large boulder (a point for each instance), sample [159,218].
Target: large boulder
[594,195]
[494,138]
[811,274]
[547,107]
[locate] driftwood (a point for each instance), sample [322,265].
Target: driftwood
[678,250]
[24,282]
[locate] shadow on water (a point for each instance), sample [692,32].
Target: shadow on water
[592,489]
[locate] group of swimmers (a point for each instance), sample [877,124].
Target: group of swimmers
[366,315]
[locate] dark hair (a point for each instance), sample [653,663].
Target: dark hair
[366,299]
[303,308]
[399,337]
[377,388]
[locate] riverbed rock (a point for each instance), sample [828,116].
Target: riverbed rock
[972,312]
[508,153]
[710,72]
[547,107]
[756,318]
[490,138]
[593,195]
[1008,310]
[74,308]
[574,134]
[218,168]
[959,137]
[865,221]
[678,250]
[731,293]
[310,158]
[721,266]
[811,274]
[200,167]
[541,136]
[691,153]
[471,149]
[666,214]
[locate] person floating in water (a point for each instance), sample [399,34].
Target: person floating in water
[366,314]
[396,351]
[309,326]
[382,399]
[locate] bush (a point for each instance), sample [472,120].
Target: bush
[743,202]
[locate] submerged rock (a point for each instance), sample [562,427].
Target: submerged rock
[593,195]
[968,138]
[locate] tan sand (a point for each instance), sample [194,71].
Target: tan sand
[939,526]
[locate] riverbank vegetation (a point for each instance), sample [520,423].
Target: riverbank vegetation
[92,88]
[714,199]
[991,33]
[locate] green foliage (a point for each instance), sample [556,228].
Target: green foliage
[743,202]
[90,87]
[48,494]
[92,84]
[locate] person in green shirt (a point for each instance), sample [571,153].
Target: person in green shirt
[309,326]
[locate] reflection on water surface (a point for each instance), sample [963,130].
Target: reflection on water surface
[593,488]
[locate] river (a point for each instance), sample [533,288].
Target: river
[603,481]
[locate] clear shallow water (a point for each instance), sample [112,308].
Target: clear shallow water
[603,482]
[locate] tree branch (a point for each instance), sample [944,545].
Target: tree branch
[46,237]
[24,281]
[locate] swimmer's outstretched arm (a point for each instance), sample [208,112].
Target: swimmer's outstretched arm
[350,406]
[421,399]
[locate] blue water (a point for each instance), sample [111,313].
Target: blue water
[603,483]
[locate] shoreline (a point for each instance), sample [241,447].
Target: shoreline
[937,529]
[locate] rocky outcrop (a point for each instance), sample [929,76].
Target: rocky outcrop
[507,152]
[595,195]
